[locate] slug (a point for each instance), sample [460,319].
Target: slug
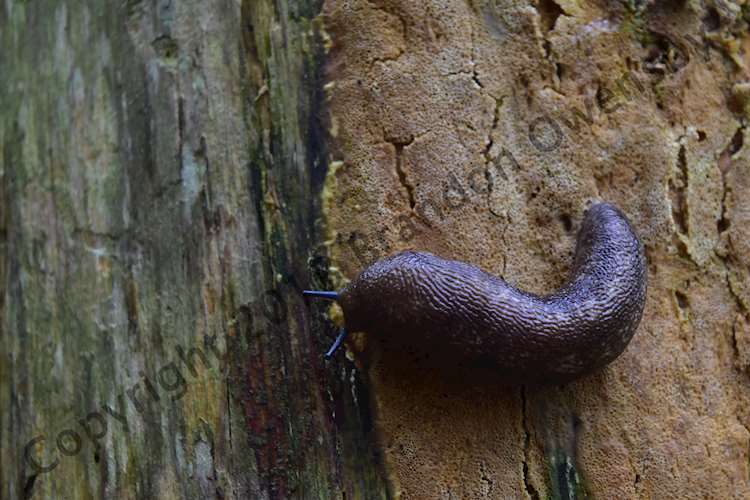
[581,327]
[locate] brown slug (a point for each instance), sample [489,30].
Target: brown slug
[579,328]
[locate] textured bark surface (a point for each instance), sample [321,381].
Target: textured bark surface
[165,173]
[478,130]
[161,174]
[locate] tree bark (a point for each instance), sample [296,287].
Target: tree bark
[175,172]
[479,131]
[162,167]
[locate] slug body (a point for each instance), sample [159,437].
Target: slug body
[479,317]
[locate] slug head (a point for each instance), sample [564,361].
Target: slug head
[378,299]
[374,300]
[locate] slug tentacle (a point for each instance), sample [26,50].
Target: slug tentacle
[336,343]
[321,294]
[582,326]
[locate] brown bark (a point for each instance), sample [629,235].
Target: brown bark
[478,131]
[174,173]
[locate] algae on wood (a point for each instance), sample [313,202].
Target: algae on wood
[161,173]
[165,189]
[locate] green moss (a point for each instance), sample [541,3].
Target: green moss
[565,480]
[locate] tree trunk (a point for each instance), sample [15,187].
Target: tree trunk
[162,168]
[175,172]
[479,130]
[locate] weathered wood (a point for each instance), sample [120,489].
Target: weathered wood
[175,172]
[162,165]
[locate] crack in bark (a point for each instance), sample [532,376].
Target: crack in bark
[489,161]
[486,153]
[495,121]
[742,310]
[725,164]
[677,187]
[548,12]
[529,488]
[735,346]
[473,60]
[402,177]
[180,126]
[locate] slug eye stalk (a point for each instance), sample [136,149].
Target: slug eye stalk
[336,344]
[320,294]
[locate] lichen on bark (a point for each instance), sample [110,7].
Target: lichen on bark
[161,175]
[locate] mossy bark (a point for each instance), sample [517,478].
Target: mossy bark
[162,164]
[175,172]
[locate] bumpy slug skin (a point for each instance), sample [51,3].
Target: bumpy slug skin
[438,305]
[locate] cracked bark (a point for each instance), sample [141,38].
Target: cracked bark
[651,142]
[530,488]
[402,176]
[162,185]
